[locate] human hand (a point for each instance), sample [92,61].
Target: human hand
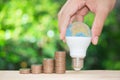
[71,10]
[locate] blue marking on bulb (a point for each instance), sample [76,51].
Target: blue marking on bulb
[80,34]
[68,31]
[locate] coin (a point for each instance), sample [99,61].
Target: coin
[24,71]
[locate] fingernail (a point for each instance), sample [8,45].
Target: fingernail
[95,40]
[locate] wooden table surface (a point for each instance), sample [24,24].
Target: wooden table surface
[69,75]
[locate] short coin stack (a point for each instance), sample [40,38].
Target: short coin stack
[36,68]
[60,62]
[24,71]
[48,65]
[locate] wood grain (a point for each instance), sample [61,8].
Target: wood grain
[69,75]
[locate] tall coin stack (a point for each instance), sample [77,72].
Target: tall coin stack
[36,68]
[48,65]
[60,62]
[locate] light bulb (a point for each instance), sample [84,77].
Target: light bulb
[78,38]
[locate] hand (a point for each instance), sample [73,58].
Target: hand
[79,8]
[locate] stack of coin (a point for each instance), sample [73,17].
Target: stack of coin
[60,62]
[24,71]
[48,65]
[36,68]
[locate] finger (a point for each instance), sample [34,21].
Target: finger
[76,17]
[81,13]
[60,14]
[65,15]
[72,18]
[63,29]
[79,16]
[98,25]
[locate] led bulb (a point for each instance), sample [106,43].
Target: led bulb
[78,38]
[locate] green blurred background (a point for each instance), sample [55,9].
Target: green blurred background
[29,33]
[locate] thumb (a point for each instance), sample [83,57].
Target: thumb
[98,25]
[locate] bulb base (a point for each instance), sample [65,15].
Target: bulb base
[77,63]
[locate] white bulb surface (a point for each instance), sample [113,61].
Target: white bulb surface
[78,46]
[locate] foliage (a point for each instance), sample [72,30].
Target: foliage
[29,33]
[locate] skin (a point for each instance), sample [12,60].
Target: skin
[77,9]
